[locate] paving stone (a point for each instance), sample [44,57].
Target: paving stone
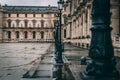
[45,67]
[43,74]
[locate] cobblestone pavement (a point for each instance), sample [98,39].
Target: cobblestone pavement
[17,58]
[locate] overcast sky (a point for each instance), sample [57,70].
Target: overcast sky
[29,2]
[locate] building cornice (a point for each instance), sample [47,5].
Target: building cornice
[30,9]
[5,28]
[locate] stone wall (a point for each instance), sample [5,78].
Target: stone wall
[77,21]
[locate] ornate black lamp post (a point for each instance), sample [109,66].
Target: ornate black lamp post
[60,3]
[102,64]
[56,33]
[58,44]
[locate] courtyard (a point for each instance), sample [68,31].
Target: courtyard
[17,58]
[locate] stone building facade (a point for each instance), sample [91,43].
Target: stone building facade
[27,23]
[77,22]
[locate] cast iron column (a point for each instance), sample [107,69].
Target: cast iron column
[102,64]
[60,39]
[58,45]
[58,60]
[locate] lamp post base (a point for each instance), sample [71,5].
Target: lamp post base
[57,70]
[84,76]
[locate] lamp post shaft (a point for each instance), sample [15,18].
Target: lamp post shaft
[58,44]
[102,64]
[60,25]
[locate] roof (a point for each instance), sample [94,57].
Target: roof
[28,8]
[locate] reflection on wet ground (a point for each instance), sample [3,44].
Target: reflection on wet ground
[16,58]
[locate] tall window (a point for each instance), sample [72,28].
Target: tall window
[64,33]
[25,34]
[9,35]
[82,20]
[86,16]
[42,35]
[42,23]
[26,23]
[34,34]
[9,23]
[17,34]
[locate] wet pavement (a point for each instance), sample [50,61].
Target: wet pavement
[17,58]
[34,61]
[43,71]
[73,55]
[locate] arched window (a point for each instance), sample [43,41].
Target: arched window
[42,35]
[25,34]
[17,34]
[9,35]
[34,34]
